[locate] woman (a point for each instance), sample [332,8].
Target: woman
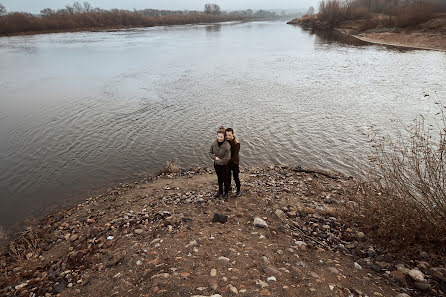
[220,152]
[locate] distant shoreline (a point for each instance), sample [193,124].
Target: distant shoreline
[145,22]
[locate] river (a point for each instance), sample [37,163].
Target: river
[83,111]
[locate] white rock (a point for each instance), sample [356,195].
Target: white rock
[271,279]
[357,266]
[224,259]
[417,275]
[258,222]
[213,272]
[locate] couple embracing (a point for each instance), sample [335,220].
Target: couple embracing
[225,153]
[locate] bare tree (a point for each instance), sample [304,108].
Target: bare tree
[69,9]
[2,9]
[212,9]
[310,10]
[47,12]
[78,8]
[87,7]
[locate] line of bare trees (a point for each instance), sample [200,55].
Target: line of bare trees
[83,16]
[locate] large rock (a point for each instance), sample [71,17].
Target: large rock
[280,214]
[258,222]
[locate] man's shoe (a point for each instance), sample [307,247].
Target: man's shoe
[238,194]
[226,196]
[218,194]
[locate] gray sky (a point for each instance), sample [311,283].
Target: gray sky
[34,6]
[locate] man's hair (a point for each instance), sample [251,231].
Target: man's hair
[230,130]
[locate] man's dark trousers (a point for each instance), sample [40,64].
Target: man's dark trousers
[234,169]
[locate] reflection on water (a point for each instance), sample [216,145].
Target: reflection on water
[81,111]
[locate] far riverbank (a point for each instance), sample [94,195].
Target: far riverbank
[430,35]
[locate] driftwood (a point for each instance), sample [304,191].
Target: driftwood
[315,171]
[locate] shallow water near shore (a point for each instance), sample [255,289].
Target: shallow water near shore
[82,111]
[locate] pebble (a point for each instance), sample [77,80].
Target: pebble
[357,266]
[258,222]
[417,275]
[402,295]
[213,272]
[138,231]
[280,214]
[233,289]
[333,270]
[224,259]
[271,279]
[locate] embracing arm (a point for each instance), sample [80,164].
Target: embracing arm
[225,159]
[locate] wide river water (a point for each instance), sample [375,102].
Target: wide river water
[83,111]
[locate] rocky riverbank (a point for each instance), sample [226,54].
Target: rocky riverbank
[167,236]
[429,35]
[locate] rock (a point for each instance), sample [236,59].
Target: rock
[398,276]
[74,237]
[417,275]
[360,235]
[223,259]
[258,222]
[402,295]
[213,272]
[401,268]
[139,263]
[138,231]
[219,218]
[213,284]
[280,214]
[272,271]
[333,270]
[265,292]
[233,289]
[423,286]
[375,267]
[60,286]
[357,266]
[271,279]
[261,283]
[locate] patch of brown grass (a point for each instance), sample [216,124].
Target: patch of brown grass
[404,202]
[413,14]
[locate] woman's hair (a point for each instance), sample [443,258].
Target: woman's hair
[221,130]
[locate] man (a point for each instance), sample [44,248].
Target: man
[234,168]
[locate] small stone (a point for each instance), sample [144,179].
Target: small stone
[223,259]
[219,218]
[258,222]
[402,295]
[360,235]
[357,266]
[280,214]
[213,272]
[262,284]
[271,279]
[279,252]
[272,271]
[74,237]
[326,227]
[333,270]
[138,231]
[185,274]
[265,292]
[417,275]
[398,276]
[233,289]
[139,263]
[423,286]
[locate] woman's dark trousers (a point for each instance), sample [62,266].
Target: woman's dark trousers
[223,178]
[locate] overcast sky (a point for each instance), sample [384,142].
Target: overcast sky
[34,6]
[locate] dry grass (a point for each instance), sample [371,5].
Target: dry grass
[413,14]
[405,203]
[171,167]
